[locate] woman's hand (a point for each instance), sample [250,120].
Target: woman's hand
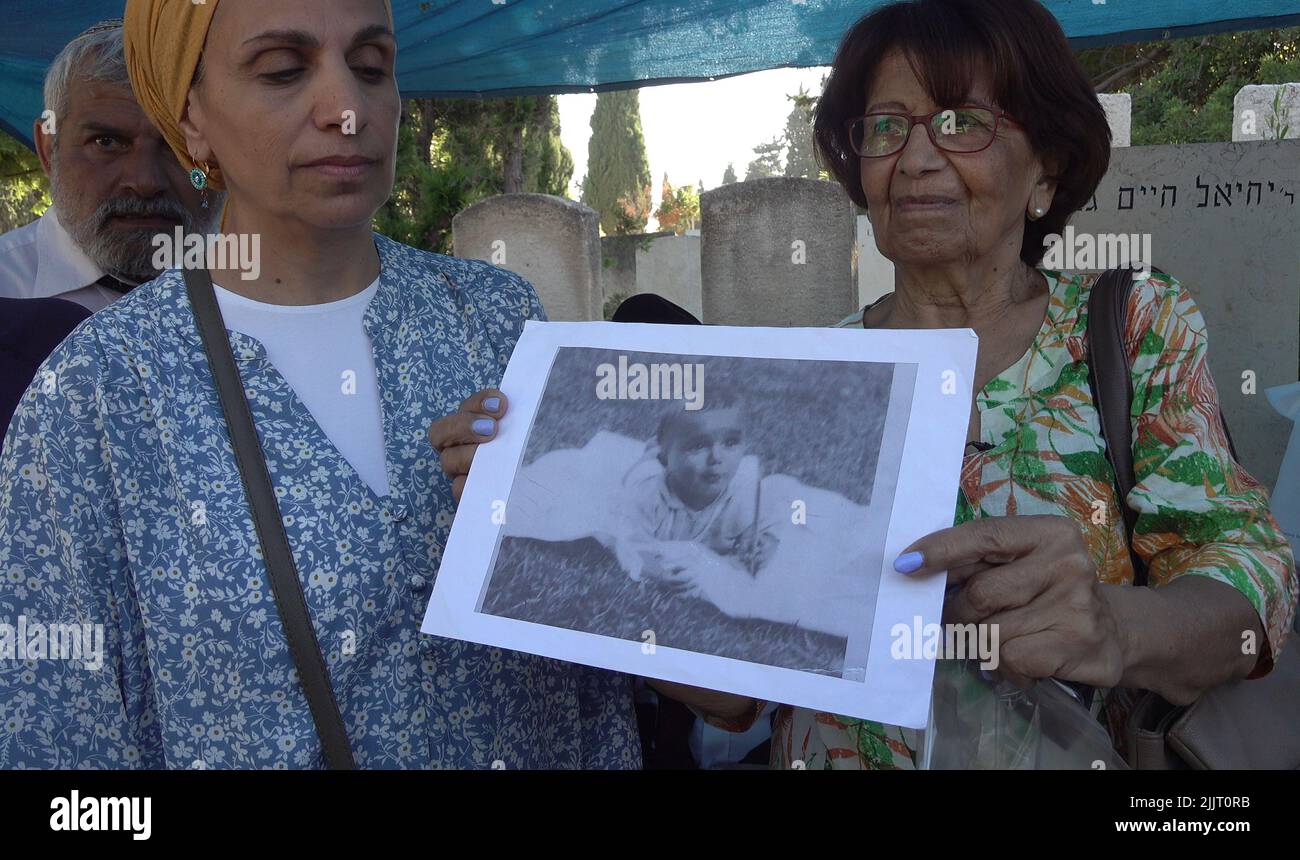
[1032,577]
[457,436]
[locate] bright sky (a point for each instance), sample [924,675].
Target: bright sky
[692,131]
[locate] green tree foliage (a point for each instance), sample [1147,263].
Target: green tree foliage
[452,153]
[548,164]
[618,171]
[611,305]
[800,157]
[679,208]
[428,188]
[509,145]
[767,160]
[790,153]
[1183,89]
[24,189]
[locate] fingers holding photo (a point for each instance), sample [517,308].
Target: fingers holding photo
[456,437]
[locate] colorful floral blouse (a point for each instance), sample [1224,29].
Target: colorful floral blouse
[1199,512]
[121,505]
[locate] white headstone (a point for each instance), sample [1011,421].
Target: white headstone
[777,252]
[1266,112]
[875,271]
[669,266]
[1223,219]
[1119,113]
[552,242]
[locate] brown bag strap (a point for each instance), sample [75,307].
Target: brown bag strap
[283,573]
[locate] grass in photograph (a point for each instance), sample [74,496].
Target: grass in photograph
[579,586]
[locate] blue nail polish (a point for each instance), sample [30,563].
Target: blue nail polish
[483,426]
[908,562]
[492,404]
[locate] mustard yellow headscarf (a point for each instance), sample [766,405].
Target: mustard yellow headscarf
[164,40]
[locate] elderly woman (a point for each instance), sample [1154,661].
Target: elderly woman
[969,133]
[121,503]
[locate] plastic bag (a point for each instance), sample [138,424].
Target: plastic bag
[978,722]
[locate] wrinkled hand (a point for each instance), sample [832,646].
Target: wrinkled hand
[1033,578]
[457,436]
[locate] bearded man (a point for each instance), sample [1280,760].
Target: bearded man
[115,184]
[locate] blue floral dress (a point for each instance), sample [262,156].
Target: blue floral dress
[121,505]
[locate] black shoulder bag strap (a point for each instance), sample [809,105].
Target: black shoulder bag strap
[1112,390]
[283,573]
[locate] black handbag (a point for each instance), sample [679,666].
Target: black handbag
[1247,724]
[281,570]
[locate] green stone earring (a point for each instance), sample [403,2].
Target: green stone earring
[199,179]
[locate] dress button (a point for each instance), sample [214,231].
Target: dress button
[418,583]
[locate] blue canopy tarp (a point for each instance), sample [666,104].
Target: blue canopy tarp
[515,47]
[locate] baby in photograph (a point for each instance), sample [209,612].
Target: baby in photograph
[692,511]
[697,486]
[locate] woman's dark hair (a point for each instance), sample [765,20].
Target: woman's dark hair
[949,43]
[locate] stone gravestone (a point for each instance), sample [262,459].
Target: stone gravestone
[669,266]
[1223,219]
[777,252]
[1266,112]
[1119,114]
[661,263]
[618,264]
[875,270]
[552,242]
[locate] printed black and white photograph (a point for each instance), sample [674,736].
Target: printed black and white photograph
[713,504]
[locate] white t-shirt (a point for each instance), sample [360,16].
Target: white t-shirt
[323,352]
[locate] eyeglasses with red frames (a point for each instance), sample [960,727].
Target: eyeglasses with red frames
[964,129]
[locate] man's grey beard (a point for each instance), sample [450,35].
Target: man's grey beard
[125,254]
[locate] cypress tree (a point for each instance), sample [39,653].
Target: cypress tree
[618,172]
